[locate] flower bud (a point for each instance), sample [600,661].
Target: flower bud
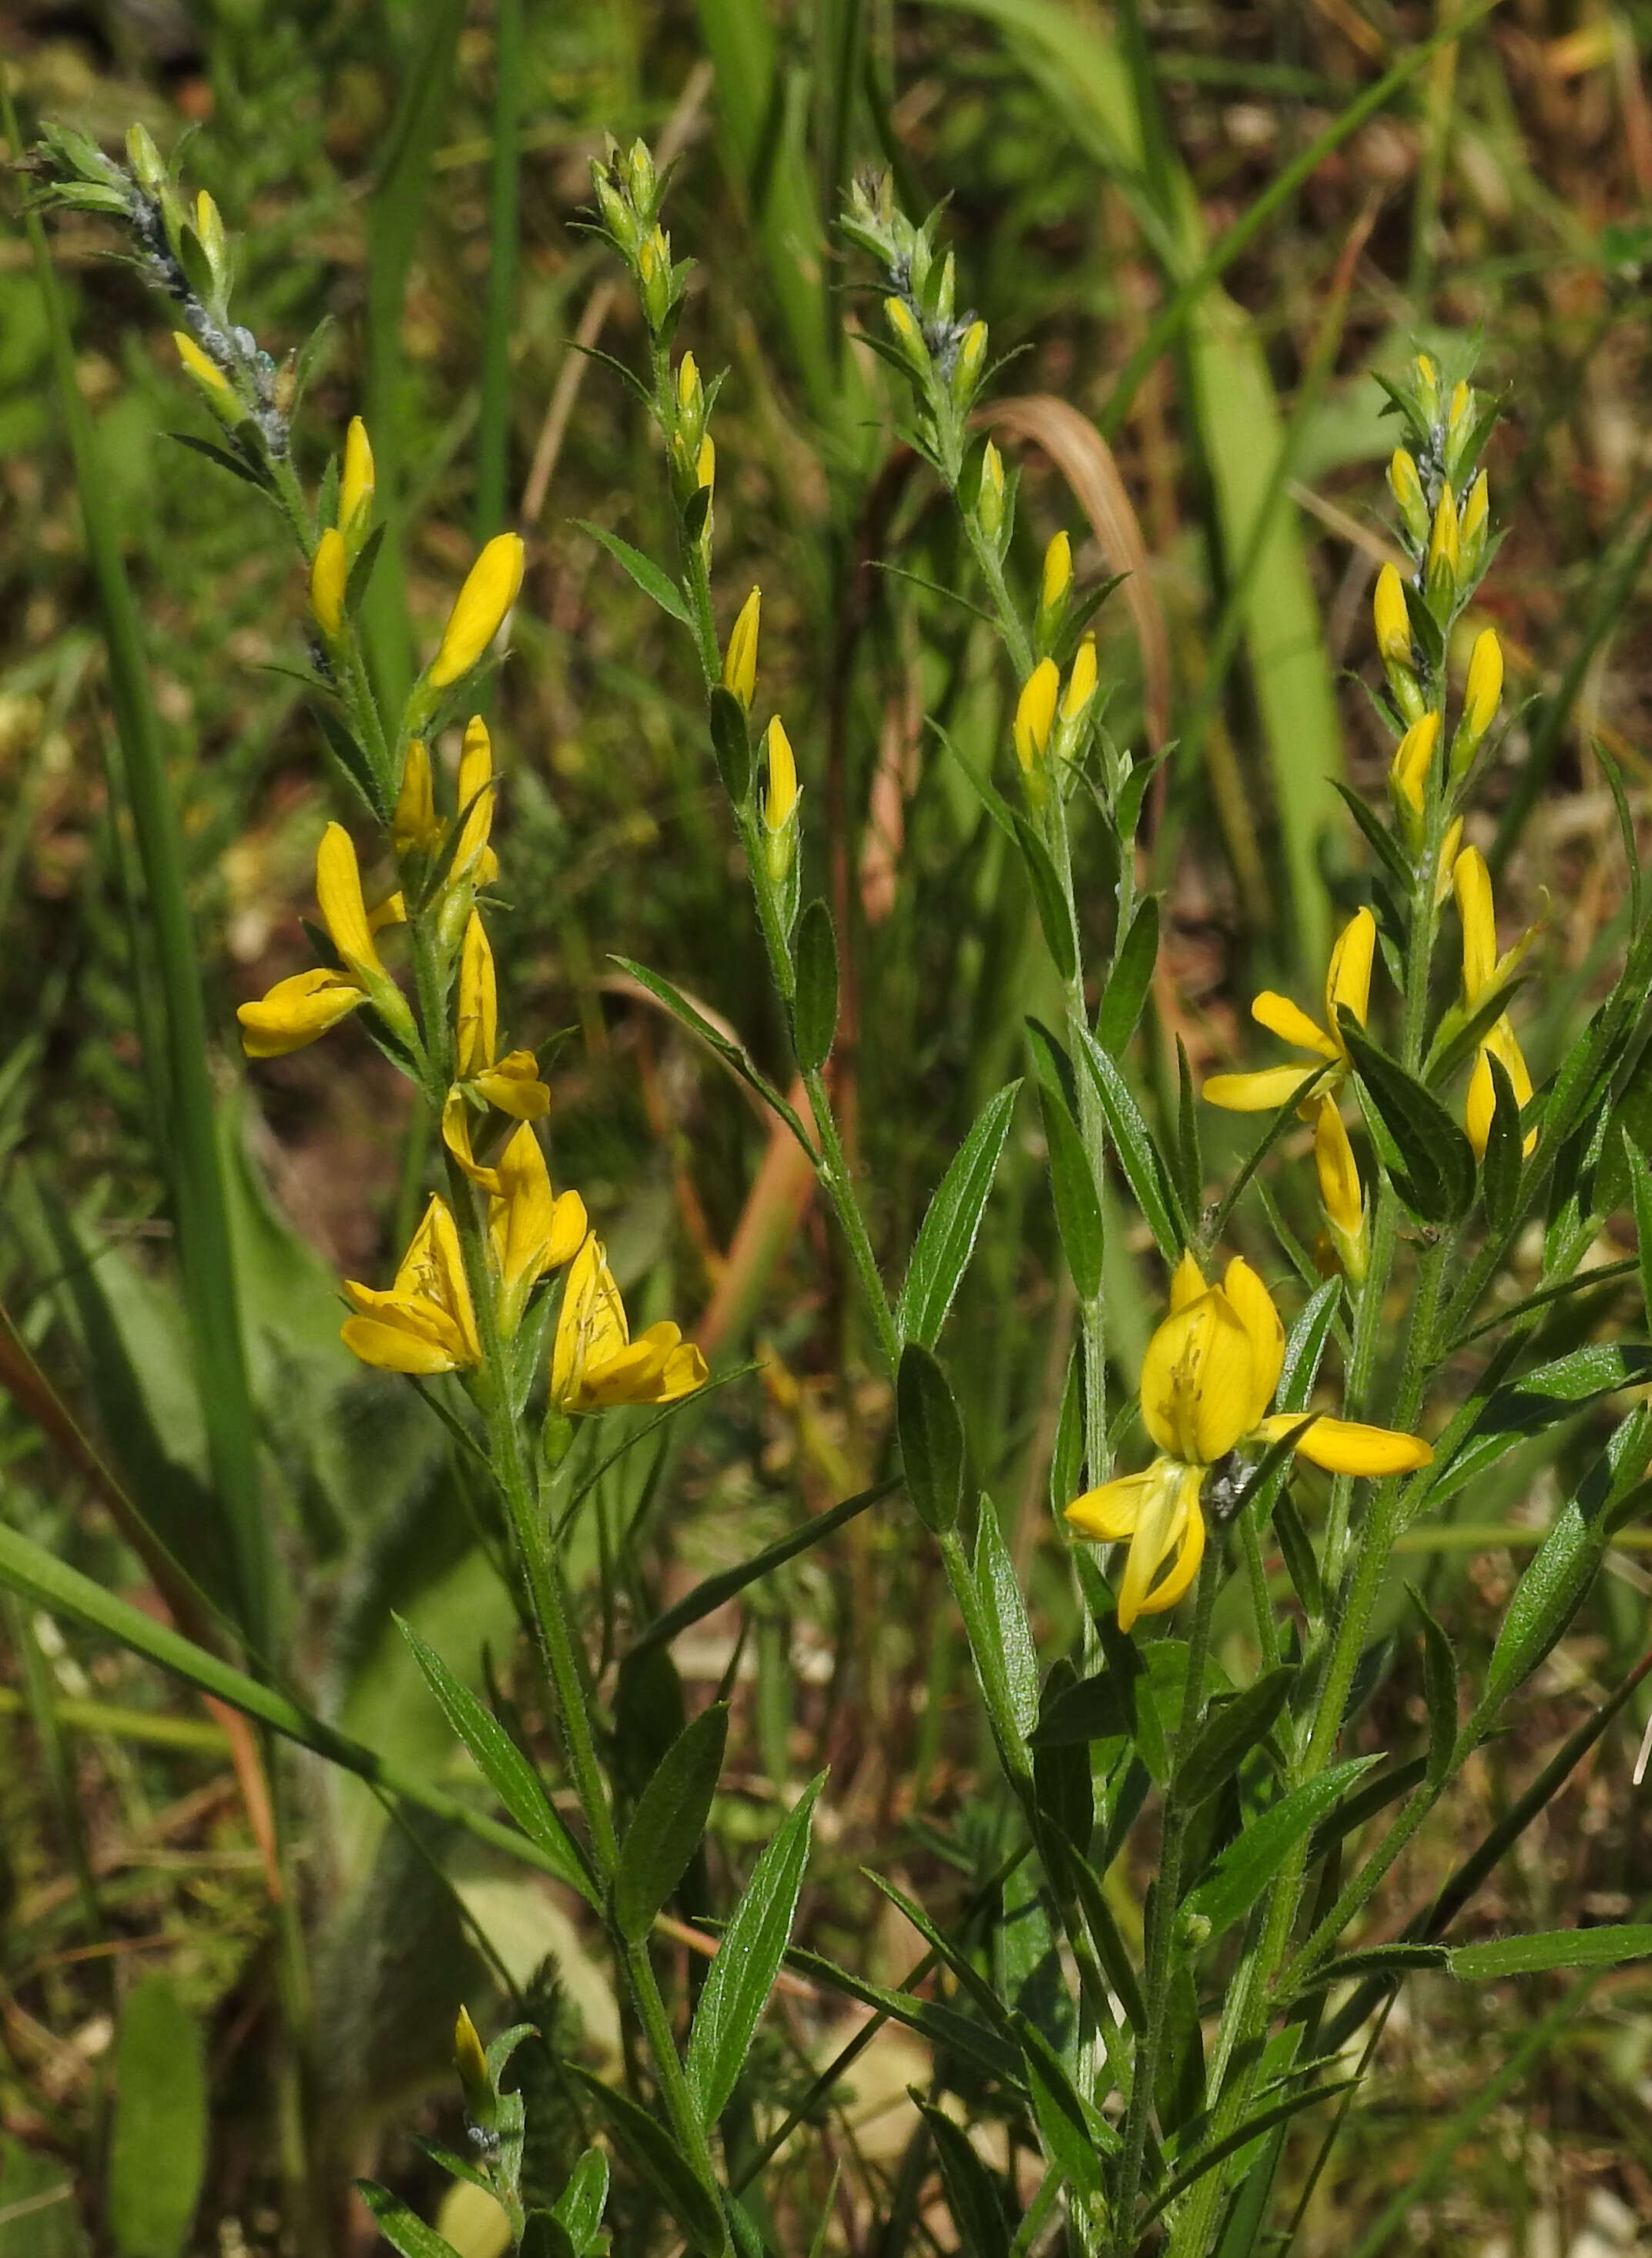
[641,181]
[617,216]
[1035,714]
[706,463]
[907,336]
[221,395]
[414,827]
[1053,590]
[1340,1191]
[328,578]
[1459,426]
[972,359]
[1081,682]
[1482,694]
[691,407]
[653,274]
[1449,847]
[214,242]
[490,589]
[739,660]
[144,159]
[357,480]
[1444,555]
[1472,524]
[1408,777]
[1393,642]
[1406,485]
[990,500]
[1425,383]
[780,799]
[481,2103]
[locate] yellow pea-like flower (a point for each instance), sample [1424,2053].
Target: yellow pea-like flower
[595,1366]
[1347,987]
[328,579]
[1484,691]
[1413,760]
[1484,970]
[739,660]
[491,588]
[426,1323]
[305,1006]
[1080,681]
[531,1230]
[1057,577]
[1035,714]
[414,827]
[1208,1378]
[357,479]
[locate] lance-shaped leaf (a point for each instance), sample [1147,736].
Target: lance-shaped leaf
[1250,1863]
[1128,981]
[1074,2135]
[654,2156]
[1078,1208]
[1047,898]
[669,1821]
[947,1237]
[643,571]
[814,1012]
[1555,1948]
[401,2228]
[579,2207]
[742,1974]
[931,1437]
[1149,1178]
[1436,1173]
[1231,1732]
[971,2192]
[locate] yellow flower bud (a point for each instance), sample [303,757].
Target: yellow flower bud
[908,335]
[739,660]
[413,824]
[206,374]
[1481,696]
[972,359]
[989,502]
[654,272]
[1035,714]
[472,2065]
[328,576]
[1406,485]
[1058,574]
[357,481]
[1408,777]
[1081,682]
[705,466]
[489,590]
[1444,544]
[1471,527]
[1425,379]
[1341,1194]
[144,159]
[688,382]
[780,793]
[1392,620]
[1449,847]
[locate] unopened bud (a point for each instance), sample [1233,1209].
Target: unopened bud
[1408,777]
[1482,694]
[779,802]
[1393,642]
[972,359]
[1340,1191]
[991,501]
[1459,426]
[739,660]
[907,336]
[1449,847]
[414,826]
[1425,382]
[491,588]
[357,480]
[481,2103]
[328,578]
[1406,485]
[220,392]
[1081,682]
[209,228]
[617,216]
[144,159]
[1472,523]
[1035,714]
[654,275]
[1444,555]
[641,180]
[1053,589]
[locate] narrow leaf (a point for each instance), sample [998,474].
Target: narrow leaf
[1439,1685]
[814,1015]
[1078,1209]
[1438,1160]
[654,2156]
[731,742]
[971,2192]
[947,1236]
[1074,2135]
[580,2205]
[646,573]
[1149,1179]
[1130,980]
[1556,1948]
[742,1974]
[158,2145]
[1231,1732]
[1246,1868]
[1000,1592]
[669,1821]
[402,2229]
[1047,898]
[932,1438]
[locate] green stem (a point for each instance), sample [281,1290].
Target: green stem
[1162,1901]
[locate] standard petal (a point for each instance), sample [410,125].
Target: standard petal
[512,1083]
[456,1135]
[295,1011]
[344,911]
[568,1229]
[1292,1024]
[452,1296]
[1109,1513]
[1187,1283]
[476,794]
[1264,1092]
[476,1022]
[1348,978]
[1189,1520]
[1342,1446]
[1253,1305]
[567,1355]
[1196,1380]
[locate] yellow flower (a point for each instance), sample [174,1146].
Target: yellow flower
[1406,487]
[473,858]
[687,383]
[1347,986]
[357,481]
[531,1233]
[1482,693]
[1340,1192]
[1207,1381]
[490,589]
[1081,682]
[739,661]
[706,464]
[1058,575]
[594,1363]
[328,578]
[1409,777]
[414,827]
[1444,542]
[426,1324]
[1476,505]
[206,373]
[1483,970]
[1035,714]
[1393,619]
[297,1010]
[510,1083]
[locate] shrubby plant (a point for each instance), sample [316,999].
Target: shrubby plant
[1139,2093]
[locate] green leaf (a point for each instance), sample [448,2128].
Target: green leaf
[1641,1197]
[1554,1947]
[1189,1158]
[402,2229]
[157,2147]
[943,2027]
[669,1821]
[1439,1686]
[1379,1960]
[1075,2136]
[1100,1927]
[1231,1732]
[1149,1179]
[814,1012]
[1302,1562]
[932,1439]
[503,1765]
[652,2154]
[1078,1209]
[742,1974]
[1241,2137]
[971,2192]
[733,1056]
[1500,1167]
[1047,898]
[1250,1863]
[646,573]
[716,1591]
[1437,1159]
[1128,981]
[1377,835]
[731,742]
[544,2236]
[947,1238]
[999,1594]
[580,2205]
